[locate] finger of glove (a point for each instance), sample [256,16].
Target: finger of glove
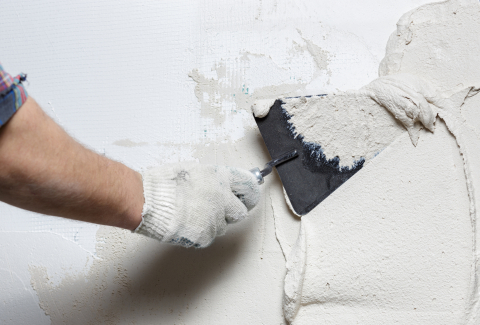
[235,210]
[221,227]
[244,186]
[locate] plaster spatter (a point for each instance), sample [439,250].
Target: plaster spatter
[253,78]
[434,43]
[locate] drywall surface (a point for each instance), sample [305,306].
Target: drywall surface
[404,249]
[148,82]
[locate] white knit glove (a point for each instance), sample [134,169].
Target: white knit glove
[189,204]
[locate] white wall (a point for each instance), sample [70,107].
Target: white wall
[148,82]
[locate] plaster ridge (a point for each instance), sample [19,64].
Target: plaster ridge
[278,234]
[453,122]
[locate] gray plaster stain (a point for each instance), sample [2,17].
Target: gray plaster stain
[129,143]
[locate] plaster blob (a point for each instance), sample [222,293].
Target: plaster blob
[261,107]
[397,243]
[407,97]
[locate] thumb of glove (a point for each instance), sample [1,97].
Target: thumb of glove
[235,210]
[244,186]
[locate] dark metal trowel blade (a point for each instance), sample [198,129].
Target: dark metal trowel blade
[310,178]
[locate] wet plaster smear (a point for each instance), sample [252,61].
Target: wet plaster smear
[397,244]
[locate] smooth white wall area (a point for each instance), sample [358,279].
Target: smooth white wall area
[149,82]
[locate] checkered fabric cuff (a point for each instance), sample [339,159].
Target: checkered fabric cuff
[12,94]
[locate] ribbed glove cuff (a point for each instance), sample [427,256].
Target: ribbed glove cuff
[159,190]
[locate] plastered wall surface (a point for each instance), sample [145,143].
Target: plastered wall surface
[146,83]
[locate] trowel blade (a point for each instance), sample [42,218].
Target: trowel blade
[309,179]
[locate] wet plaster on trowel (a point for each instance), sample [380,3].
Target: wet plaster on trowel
[347,125]
[398,242]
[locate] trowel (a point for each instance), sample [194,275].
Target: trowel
[307,179]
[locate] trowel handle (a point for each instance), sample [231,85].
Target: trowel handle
[260,174]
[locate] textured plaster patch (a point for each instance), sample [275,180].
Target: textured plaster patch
[87,298]
[417,48]
[18,303]
[319,55]
[388,259]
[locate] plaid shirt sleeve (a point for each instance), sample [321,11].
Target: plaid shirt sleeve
[12,94]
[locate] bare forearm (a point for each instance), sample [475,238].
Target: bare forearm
[43,169]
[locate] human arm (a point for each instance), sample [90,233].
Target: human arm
[43,169]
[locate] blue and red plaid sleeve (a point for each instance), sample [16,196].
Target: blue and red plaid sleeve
[12,94]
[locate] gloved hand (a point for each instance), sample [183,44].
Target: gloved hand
[189,204]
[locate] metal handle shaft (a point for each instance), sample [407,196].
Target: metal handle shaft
[260,174]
